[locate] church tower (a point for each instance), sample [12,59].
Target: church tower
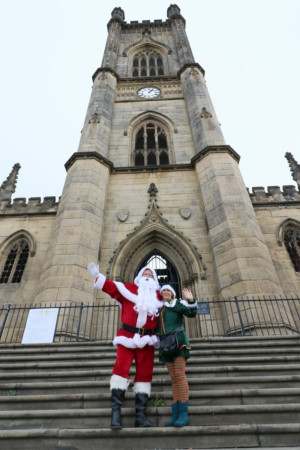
[153,178]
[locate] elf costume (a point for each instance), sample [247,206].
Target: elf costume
[171,318]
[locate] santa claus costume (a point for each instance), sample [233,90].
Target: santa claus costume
[140,304]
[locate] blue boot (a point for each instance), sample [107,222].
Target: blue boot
[175,414]
[183,418]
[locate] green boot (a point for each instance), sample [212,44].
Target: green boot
[175,413]
[183,418]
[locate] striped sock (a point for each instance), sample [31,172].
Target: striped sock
[180,387]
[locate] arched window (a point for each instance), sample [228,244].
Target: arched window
[139,159]
[291,239]
[151,145]
[165,270]
[147,63]
[15,262]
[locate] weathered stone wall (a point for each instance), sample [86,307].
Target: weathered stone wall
[272,207]
[40,227]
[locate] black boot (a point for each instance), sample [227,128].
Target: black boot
[140,410]
[117,398]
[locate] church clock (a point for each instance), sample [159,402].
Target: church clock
[148,92]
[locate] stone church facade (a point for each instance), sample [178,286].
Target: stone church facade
[153,180]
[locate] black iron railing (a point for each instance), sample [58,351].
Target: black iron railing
[99,322]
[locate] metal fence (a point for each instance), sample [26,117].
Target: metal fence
[215,318]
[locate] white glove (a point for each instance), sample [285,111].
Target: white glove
[94,270]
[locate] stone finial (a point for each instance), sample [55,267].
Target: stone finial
[205,114]
[294,167]
[146,32]
[118,14]
[173,11]
[8,186]
[152,191]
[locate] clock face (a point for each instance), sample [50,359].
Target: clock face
[149,92]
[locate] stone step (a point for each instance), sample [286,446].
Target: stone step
[199,416]
[25,369]
[53,373]
[197,344]
[197,437]
[14,400]
[205,384]
[198,357]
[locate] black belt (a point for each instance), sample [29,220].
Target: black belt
[175,331]
[141,331]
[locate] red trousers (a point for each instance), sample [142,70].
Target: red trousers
[144,361]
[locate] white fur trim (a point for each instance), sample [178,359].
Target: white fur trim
[141,320]
[169,288]
[118,382]
[141,387]
[170,305]
[99,283]
[189,305]
[140,274]
[136,342]
[125,292]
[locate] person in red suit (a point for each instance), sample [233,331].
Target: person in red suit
[140,303]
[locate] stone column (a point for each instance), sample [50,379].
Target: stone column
[76,238]
[204,123]
[182,44]
[113,39]
[242,259]
[77,234]
[243,264]
[97,125]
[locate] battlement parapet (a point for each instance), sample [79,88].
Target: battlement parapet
[33,206]
[274,195]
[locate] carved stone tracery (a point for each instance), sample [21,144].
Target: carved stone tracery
[154,232]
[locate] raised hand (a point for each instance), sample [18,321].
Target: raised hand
[94,270]
[187,294]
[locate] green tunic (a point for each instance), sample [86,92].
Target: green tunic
[171,317]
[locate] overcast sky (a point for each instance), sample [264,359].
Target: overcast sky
[50,49]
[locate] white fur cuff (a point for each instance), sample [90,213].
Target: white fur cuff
[100,282]
[189,305]
[142,388]
[117,382]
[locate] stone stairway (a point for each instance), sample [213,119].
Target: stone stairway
[245,393]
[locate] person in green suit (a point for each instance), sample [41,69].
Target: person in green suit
[170,319]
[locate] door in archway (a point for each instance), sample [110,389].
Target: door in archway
[165,269]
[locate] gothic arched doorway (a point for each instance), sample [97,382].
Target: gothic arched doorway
[165,269]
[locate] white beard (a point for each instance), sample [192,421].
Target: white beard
[146,301]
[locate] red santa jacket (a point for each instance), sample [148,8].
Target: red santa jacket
[125,295]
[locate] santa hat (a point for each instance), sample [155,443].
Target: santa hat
[169,288]
[140,274]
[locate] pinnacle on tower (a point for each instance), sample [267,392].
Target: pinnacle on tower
[8,186]
[173,11]
[118,14]
[294,167]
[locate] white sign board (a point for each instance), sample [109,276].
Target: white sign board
[40,326]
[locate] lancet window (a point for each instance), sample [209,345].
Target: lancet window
[147,63]
[15,262]
[292,244]
[151,145]
[165,270]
